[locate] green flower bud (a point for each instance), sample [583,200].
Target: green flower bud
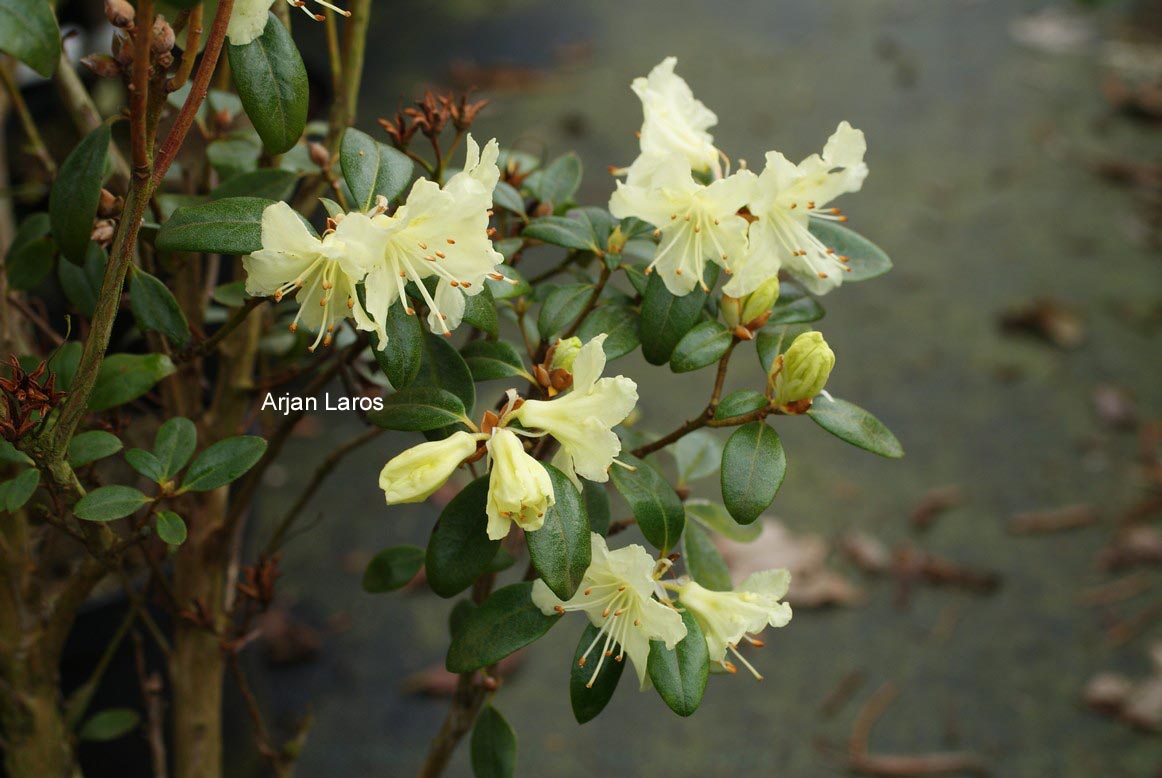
[804,369]
[565,353]
[760,300]
[731,308]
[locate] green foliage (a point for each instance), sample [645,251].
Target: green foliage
[109,503]
[853,424]
[714,517]
[155,308]
[232,225]
[597,506]
[753,467]
[392,569]
[493,359]
[174,444]
[460,549]
[223,462]
[561,308]
[15,492]
[561,231]
[703,345]
[267,183]
[697,455]
[400,359]
[110,724]
[81,284]
[741,402]
[703,562]
[493,746]
[272,85]
[29,32]
[866,259]
[558,181]
[588,701]
[560,549]
[76,192]
[125,377]
[371,169]
[418,409]
[30,256]
[654,502]
[87,447]
[171,528]
[666,319]
[680,675]
[442,367]
[506,622]
[621,325]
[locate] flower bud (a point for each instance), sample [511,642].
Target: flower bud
[759,302]
[109,204]
[616,241]
[803,370]
[319,155]
[119,13]
[163,37]
[418,472]
[122,49]
[731,308]
[519,489]
[564,354]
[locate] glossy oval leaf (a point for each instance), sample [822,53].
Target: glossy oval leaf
[145,463]
[272,83]
[853,424]
[171,528]
[418,409]
[480,311]
[590,690]
[493,746]
[174,444]
[223,462]
[703,561]
[740,402]
[866,259]
[392,569]
[29,32]
[665,319]
[557,182]
[76,192]
[703,345]
[232,225]
[562,307]
[753,468]
[400,360]
[493,359]
[653,501]
[560,231]
[30,256]
[110,724]
[123,378]
[560,549]
[87,447]
[15,492]
[460,550]
[597,506]
[109,503]
[620,323]
[506,622]
[270,183]
[156,309]
[82,284]
[680,675]
[442,366]
[371,168]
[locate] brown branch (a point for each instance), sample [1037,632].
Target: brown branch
[139,89]
[591,303]
[190,52]
[207,346]
[152,696]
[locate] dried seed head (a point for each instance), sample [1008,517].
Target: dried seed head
[103,231]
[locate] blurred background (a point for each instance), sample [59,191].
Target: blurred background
[1003,581]
[1015,349]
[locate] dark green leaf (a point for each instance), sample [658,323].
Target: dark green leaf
[171,528]
[156,309]
[704,345]
[703,562]
[866,259]
[506,622]
[493,746]
[110,724]
[680,675]
[507,197]
[231,295]
[558,182]
[799,309]
[597,506]
[370,168]
[622,325]
[697,455]
[72,203]
[666,318]
[30,257]
[63,364]
[392,568]
[145,463]
[562,307]
[400,360]
[460,549]
[15,492]
[418,409]
[753,467]
[514,286]
[853,424]
[653,501]
[561,231]
[714,517]
[10,455]
[588,701]
[223,462]
[234,154]
[88,447]
[442,366]
[109,503]
[492,359]
[740,402]
[82,284]
[29,32]
[480,311]
[174,444]
[125,377]
[560,549]
[273,86]
[232,225]
[268,183]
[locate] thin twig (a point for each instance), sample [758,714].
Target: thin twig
[27,122]
[591,303]
[207,346]
[190,52]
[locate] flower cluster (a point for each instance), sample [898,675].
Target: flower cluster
[439,233]
[751,225]
[248,19]
[520,491]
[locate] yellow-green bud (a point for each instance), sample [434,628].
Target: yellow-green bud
[565,353]
[804,369]
[731,308]
[760,300]
[616,242]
